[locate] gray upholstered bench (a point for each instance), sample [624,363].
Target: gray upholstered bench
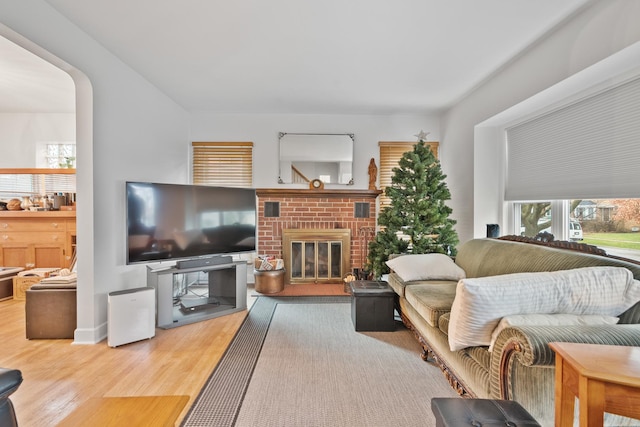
[460,412]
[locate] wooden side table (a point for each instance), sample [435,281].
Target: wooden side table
[606,378]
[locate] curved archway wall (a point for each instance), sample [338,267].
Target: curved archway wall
[470,161]
[84,142]
[139,134]
[121,122]
[132,119]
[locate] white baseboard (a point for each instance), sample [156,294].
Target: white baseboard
[90,336]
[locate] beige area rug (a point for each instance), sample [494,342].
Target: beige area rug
[138,411]
[314,369]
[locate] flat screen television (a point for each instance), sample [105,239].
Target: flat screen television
[177,221]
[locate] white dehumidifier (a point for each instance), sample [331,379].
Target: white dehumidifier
[131,316]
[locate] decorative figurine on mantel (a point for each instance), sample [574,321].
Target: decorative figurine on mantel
[373,174]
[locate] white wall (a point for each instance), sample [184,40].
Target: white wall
[20,132]
[126,130]
[592,35]
[263,130]
[491,148]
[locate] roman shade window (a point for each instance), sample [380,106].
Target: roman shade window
[228,164]
[390,154]
[588,149]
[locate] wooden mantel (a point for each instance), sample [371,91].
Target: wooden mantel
[306,192]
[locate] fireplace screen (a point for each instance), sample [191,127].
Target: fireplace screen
[316,256]
[316,260]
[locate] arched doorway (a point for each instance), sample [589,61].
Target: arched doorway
[84,178]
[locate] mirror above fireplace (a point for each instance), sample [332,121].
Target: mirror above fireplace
[305,157]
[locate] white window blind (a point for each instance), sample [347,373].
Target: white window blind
[228,164]
[25,184]
[589,149]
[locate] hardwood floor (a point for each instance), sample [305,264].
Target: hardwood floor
[160,411]
[60,377]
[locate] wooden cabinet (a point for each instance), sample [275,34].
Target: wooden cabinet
[37,239]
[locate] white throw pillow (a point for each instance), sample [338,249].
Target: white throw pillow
[550,320]
[480,303]
[426,267]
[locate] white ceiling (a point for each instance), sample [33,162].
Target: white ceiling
[302,56]
[29,84]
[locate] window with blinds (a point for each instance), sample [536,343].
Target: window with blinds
[390,153]
[228,164]
[587,149]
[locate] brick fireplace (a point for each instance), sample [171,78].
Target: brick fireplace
[289,209]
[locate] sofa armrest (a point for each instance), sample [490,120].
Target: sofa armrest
[10,380]
[529,346]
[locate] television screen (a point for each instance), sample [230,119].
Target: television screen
[177,221]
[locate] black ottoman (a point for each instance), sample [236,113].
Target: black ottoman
[460,412]
[372,306]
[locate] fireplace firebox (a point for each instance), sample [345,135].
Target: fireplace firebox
[316,256]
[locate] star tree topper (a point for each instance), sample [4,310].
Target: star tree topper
[422,135]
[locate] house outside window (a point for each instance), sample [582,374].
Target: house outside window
[586,145]
[610,224]
[586,210]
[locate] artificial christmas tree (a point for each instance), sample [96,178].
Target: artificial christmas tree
[417,219]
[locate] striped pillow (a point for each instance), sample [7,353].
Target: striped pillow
[480,303]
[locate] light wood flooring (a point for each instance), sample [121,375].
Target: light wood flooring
[60,377]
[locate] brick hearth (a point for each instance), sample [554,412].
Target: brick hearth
[315,209]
